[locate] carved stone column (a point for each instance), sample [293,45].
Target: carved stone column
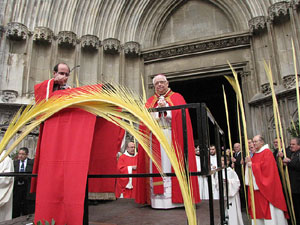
[257,24]
[67,39]
[42,35]
[90,42]
[132,49]
[111,46]
[16,31]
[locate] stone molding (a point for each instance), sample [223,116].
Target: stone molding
[198,47]
[43,35]
[132,48]
[67,39]
[289,81]
[111,45]
[9,96]
[278,10]
[257,23]
[90,42]
[265,89]
[16,31]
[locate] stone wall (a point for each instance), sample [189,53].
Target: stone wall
[121,41]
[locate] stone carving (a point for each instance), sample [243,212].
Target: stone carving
[67,38]
[16,31]
[2,30]
[289,81]
[111,45]
[132,48]
[278,9]
[265,88]
[42,35]
[295,4]
[6,116]
[90,42]
[208,46]
[257,23]
[9,96]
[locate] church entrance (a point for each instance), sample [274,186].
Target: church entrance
[209,90]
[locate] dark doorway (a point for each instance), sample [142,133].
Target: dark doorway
[209,90]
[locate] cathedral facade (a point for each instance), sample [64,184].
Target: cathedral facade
[124,40]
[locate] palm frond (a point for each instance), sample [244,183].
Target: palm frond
[118,105]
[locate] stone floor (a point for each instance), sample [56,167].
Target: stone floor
[127,212]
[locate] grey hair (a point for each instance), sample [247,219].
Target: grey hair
[157,76]
[297,140]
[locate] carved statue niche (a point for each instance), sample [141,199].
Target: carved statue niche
[90,42]
[16,31]
[132,49]
[43,35]
[67,39]
[258,24]
[111,46]
[279,11]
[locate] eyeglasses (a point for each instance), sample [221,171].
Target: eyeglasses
[63,73]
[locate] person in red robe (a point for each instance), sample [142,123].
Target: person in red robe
[126,187]
[68,142]
[270,205]
[165,192]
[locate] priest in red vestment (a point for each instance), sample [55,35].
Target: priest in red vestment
[68,142]
[164,193]
[270,205]
[126,187]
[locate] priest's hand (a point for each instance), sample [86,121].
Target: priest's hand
[286,160]
[60,79]
[134,167]
[162,103]
[242,162]
[248,161]
[280,154]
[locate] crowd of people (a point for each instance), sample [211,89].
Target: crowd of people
[259,169]
[262,170]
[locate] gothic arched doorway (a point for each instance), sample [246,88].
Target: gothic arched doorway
[209,90]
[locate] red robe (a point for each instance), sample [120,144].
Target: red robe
[268,181]
[143,184]
[63,158]
[123,163]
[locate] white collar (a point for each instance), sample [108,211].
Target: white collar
[266,146]
[126,153]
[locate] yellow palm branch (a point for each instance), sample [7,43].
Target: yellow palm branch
[279,134]
[235,85]
[116,104]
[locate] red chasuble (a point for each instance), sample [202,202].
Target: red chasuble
[143,184]
[66,142]
[270,190]
[123,163]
